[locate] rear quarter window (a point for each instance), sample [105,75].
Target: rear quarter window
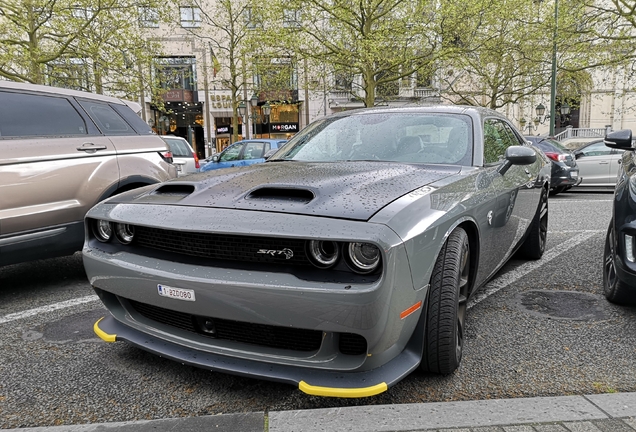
[106,118]
[34,115]
[137,123]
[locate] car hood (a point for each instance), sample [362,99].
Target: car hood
[349,190]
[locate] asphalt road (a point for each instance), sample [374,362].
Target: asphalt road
[538,329]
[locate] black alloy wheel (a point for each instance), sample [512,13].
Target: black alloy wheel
[615,290]
[447,305]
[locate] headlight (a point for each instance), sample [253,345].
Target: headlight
[103,230]
[363,257]
[124,232]
[323,254]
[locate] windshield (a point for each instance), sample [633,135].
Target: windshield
[396,137]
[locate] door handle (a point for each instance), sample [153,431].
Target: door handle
[603,163]
[91,148]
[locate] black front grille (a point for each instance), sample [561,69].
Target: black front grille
[224,246]
[256,334]
[352,344]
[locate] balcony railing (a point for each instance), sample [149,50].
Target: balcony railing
[571,132]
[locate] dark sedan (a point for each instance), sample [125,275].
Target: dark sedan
[565,171]
[619,259]
[382,224]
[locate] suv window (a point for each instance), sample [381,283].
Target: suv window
[107,120]
[133,119]
[34,115]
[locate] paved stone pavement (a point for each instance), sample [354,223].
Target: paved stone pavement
[612,412]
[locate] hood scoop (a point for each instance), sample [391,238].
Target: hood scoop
[281,194]
[172,192]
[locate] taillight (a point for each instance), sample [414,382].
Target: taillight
[196,161]
[557,157]
[166,156]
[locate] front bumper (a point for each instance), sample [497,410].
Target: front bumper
[310,381]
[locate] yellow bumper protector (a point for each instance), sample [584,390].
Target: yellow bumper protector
[343,392]
[102,334]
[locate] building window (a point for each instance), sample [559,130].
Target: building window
[291,18]
[177,72]
[249,18]
[190,16]
[148,17]
[80,12]
[343,81]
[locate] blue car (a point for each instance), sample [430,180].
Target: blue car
[243,153]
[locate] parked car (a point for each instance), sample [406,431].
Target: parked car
[598,164]
[61,152]
[383,223]
[242,153]
[183,155]
[565,171]
[619,258]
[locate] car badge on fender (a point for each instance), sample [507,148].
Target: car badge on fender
[287,253]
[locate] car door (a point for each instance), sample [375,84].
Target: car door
[51,168]
[509,200]
[595,164]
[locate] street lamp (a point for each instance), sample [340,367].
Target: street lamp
[253,116]
[242,111]
[530,126]
[267,109]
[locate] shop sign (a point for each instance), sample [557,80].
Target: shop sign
[221,101]
[178,95]
[284,127]
[223,130]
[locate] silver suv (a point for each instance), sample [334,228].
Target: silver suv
[61,152]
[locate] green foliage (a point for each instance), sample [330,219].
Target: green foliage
[93,45]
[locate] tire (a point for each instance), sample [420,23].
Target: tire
[446,309]
[534,245]
[615,290]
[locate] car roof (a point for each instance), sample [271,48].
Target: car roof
[37,88]
[473,111]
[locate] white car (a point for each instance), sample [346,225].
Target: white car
[598,164]
[183,156]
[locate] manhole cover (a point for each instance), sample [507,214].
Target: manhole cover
[569,305]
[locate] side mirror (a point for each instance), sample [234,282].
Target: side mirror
[578,154]
[621,139]
[517,155]
[215,158]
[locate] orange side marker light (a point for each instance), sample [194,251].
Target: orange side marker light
[410,310]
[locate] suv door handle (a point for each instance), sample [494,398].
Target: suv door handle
[91,148]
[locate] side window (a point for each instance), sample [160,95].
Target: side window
[35,115]
[496,140]
[254,150]
[598,149]
[107,120]
[514,138]
[133,119]
[231,153]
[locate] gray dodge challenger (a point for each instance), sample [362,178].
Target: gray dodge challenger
[340,265]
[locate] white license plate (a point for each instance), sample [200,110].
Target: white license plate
[176,293]
[574,174]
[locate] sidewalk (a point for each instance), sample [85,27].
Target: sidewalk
[590,413]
